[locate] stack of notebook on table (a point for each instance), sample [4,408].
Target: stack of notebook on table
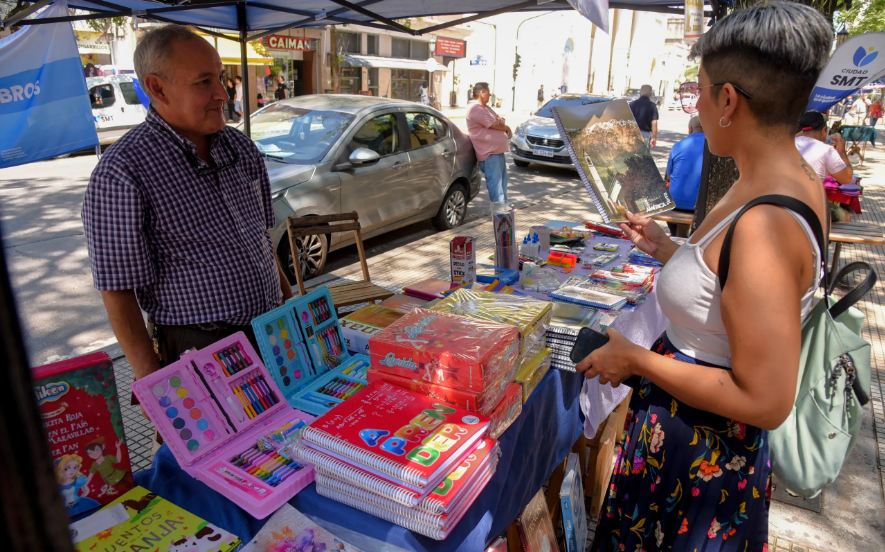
[462,361]
[401,456]
[567,321]
[643,259]
[577,293]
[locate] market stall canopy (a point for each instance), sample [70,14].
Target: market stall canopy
[390,63]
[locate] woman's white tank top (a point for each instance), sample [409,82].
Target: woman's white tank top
[690,296]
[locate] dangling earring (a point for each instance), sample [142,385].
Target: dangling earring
[724,126]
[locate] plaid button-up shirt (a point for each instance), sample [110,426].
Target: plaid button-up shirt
[191,241]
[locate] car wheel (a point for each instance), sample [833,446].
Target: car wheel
[454,207]
[519,163]
[313,253]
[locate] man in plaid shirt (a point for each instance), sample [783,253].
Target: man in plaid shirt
[177,212]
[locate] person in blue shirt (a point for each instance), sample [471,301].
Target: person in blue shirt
[684,169]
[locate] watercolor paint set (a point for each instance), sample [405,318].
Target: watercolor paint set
[306,353]
[226,422]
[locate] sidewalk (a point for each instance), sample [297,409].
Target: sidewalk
[852,517]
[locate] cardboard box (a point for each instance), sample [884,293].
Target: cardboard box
[462,259]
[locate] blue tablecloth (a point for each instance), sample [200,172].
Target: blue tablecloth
[538,441]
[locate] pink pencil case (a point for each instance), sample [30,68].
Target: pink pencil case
[228,424]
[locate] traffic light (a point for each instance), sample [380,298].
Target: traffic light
[516,64]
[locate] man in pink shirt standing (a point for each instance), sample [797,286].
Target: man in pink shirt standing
[489,135]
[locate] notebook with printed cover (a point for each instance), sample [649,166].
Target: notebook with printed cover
[429,289]
[288,530]
[535,528]
[571,501]
[612,159]
[438,501]
[587,297]
[398,434]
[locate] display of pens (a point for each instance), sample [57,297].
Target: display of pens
[254,394]
[232,359]
[358,369]
[340,388]
[330,342]
[268,466]
[320,310]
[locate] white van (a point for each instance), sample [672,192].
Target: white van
[115,106]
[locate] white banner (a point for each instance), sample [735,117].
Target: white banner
[858,61]
[694,20]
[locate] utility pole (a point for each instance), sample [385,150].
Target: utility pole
[516,61]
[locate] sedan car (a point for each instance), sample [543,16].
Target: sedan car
[632,94]
[393,162]
[537,140]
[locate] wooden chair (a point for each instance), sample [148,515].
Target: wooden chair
[351,293]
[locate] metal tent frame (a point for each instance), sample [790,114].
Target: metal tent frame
[257,19]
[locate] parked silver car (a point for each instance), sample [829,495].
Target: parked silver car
[632,94]
[537,140]
[393,162]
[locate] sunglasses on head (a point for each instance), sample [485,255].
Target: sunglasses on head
[690,91]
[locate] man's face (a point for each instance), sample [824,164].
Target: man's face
[484,97]
[192,99]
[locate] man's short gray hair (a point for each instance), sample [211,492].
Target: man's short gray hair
[695,124]
[154,49]
[645,90]
[480,87]
[774,52]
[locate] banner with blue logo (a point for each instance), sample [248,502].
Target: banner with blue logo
[858,61]
[44,106]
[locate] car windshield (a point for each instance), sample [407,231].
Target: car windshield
[556,102]
[296,135]
[632,92]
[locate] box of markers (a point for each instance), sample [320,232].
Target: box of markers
[305,351]
[227,424]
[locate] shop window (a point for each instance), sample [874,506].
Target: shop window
[378,135]
[350,80]
[372,45]
[420,50]
[348,43]
[399,48]
[409,49]
[425,129]
[129,95]
[373,81]
[102,96]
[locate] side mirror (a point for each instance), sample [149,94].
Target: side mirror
[363,156]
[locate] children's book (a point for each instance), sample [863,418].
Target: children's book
[571,501]
[429,289]
[612,159]
[153,523]
[397,434]
[288,530]
[81,415]
[535,528]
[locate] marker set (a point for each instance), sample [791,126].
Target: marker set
[302,343]
[217,403]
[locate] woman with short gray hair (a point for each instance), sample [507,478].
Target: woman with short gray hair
[693,468]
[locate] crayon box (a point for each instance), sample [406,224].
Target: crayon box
[227,424]
[303,346]
[462,259]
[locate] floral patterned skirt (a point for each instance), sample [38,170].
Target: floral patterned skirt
[685,479]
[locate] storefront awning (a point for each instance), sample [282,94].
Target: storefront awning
[230,52]
[355,60]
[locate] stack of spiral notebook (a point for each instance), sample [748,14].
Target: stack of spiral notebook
[563,330]
[401,456]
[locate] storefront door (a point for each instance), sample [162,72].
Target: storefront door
[296,79]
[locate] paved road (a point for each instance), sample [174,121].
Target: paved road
[45,249]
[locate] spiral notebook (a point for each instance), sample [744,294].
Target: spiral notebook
[612,159]
[588,297]
[397,434]
[438,501]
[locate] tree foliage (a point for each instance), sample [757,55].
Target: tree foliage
[863,17]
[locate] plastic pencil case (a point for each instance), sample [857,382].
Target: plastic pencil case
[507,410]
[302,344]
[531,375]
[481,402]
[211,407]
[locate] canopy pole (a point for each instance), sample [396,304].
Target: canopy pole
[244,66]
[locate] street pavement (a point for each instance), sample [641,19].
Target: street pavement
[60,311]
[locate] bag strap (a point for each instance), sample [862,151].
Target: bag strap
[791,203]
[855,295]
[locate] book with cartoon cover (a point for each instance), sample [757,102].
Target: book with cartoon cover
[611,157]
[290,530]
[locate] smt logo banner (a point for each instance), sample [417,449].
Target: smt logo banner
[44,106]
[855,64]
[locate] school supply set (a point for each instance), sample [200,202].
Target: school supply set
[401,456]
[141,520]
[504,228]
[303,345]
[462,259]
[232,430]
[530,375]
[359,326]
[290,530]
[81,415]
[565,260]
[567,321]
[600,261]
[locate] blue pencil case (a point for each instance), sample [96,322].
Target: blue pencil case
[304,350]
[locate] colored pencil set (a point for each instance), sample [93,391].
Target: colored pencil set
[330,341]
[269,466]
[340,388]
[232,359]
[358,370]
[320,310]
[254,394]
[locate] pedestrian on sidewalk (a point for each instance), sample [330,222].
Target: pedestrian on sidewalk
[875,111]
[646,114]
[177,213]
[540,96]
[238,96]
[684,169]
[282,91]
[231,95]
[490,136]
[470,93]
[693,465]
[824,159]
